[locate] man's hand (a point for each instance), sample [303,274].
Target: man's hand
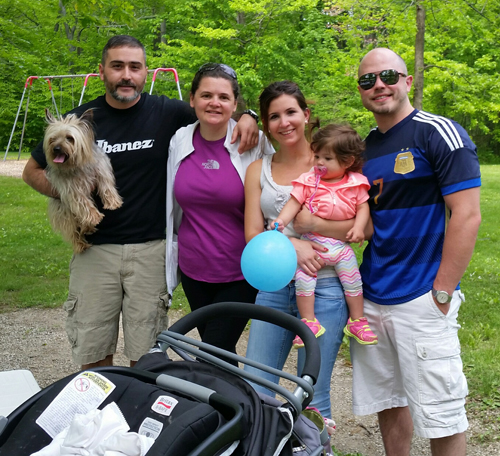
[248,131]
[445,308]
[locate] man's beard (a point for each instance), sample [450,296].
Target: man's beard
[112,89]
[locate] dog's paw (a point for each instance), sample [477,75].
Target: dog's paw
[111,200]
[81,246]
[94,218]
[90,229]
[113,203]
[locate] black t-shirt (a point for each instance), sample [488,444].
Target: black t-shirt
[136,140]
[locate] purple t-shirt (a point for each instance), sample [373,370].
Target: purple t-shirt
[211,236]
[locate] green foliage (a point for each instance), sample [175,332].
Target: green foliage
[461,68]
[318,44]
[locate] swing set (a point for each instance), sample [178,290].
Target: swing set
[48,80]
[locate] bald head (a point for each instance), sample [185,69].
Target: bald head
[382,58]
[387,100]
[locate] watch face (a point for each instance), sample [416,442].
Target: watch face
[442,297]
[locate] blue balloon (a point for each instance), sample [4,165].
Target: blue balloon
[269,261]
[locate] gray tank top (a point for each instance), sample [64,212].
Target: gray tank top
[272,200]
[273,197]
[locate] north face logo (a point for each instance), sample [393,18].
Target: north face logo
[211,164]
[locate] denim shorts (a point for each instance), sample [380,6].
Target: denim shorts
[416,363]
[110,279]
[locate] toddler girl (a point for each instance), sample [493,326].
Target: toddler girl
[333,190]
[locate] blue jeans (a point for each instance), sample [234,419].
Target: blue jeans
[270,344]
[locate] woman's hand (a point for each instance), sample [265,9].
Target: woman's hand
[307,255]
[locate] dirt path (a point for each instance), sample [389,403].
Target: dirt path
[35,339]
[11,167]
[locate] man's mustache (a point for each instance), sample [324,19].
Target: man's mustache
[126,84]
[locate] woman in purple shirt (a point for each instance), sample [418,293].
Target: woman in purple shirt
[206,203]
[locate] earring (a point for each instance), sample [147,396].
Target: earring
[306,121]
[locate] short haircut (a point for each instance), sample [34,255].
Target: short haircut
[343,141]
[119,41]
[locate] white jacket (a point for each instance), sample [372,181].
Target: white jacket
[180,147]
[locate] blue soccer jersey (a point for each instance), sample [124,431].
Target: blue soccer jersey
[410,168]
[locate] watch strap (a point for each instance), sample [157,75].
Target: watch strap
[435,294]
[252,113]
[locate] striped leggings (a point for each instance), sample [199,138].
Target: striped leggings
[339,255]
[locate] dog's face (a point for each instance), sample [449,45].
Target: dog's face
[69,142]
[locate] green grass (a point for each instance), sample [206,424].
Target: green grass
[33,260]
[12,155]
[34,272]
[479,315]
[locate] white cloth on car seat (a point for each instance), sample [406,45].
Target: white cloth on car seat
[98,433]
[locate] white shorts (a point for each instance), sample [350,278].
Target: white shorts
[416,363]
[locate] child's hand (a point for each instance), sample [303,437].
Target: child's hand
[280,225]
[356,235]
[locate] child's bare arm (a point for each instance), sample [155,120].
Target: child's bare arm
[357,232]
[287,214]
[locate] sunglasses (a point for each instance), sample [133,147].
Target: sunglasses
[389,77]
[206,67]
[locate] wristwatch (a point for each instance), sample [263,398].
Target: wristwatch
[253,114]
[441,296]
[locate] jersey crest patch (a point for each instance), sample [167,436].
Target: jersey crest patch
[404,163]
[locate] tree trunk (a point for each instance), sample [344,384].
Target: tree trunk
[418,93]
[163,31]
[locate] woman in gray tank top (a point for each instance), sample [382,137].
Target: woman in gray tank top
[268,184]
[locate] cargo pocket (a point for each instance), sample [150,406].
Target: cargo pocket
[70,307]
[440,370]
[162,317]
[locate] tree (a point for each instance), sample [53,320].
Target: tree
[318,44]
[461,39]
[418,82]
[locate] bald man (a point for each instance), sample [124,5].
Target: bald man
[424,201]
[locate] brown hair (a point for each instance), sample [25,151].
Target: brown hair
[273,91]
[119,41]
[215,70]
[343,141]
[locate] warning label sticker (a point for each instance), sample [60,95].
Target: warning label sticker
[83,393]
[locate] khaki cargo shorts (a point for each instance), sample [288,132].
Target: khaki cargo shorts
[109,280]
